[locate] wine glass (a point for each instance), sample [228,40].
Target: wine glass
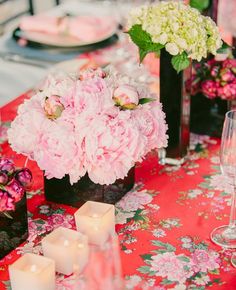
[225,236]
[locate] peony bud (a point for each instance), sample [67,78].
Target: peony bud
[53,107]
[15,190]
[126,96]
[6,202]
[7,166]
[24,176]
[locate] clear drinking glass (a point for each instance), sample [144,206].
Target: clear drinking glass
[225,236]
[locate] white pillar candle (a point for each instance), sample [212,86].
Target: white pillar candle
[32,272]
[68,248]
[96,220]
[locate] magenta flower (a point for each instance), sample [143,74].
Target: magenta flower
[7,166]
[6,202]
[227,92]
[3,178]
[209,89]
[24,176]
[214,71]
[15,190]
[227,75]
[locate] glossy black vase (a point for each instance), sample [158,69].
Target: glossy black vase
[207,115]
[176,105]
[61,191]
[13,228]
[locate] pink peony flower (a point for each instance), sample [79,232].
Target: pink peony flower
[126,96]
[134,200]
[209,89]
[204,261]
[24,176]
[25,130]
[112,146]
[15,190]
[55,149]
[88,133]
[53,107]
[170,266]
[91,73]
[150,121]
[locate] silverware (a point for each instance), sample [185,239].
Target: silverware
[18,58]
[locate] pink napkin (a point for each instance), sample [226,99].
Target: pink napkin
[42,23]
[87,28]
[84,28]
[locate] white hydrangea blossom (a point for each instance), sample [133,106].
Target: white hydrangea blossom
[179,27]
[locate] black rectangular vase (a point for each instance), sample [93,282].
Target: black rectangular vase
[61,191]
[176,105]
[13,227]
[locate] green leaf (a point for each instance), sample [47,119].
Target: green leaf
[167,282]
[183,258]
[160,251]
[167,246]
[180,61]
[223,47]
[144,41]
[142,54]
[215,271]
[199,4]
[146,256]
[146,100]
[144,269]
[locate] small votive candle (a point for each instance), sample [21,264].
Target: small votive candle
[32,272]
[68,248]
[96,220]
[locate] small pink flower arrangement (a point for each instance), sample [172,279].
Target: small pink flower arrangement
[97,122]
[214,79]
[13,183]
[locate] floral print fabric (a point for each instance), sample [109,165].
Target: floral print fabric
[163,224]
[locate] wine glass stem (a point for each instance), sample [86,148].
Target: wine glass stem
[233,208]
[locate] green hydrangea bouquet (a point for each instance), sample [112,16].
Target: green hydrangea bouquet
[179,28]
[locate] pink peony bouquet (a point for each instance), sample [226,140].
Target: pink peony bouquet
[214,79]
[96,122]
[13,183]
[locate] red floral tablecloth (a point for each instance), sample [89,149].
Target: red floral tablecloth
[163,223]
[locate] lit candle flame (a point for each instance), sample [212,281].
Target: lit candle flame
[66,243]
[94,215]
[80,245]
[33,268]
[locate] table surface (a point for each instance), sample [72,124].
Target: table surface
[163,224]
